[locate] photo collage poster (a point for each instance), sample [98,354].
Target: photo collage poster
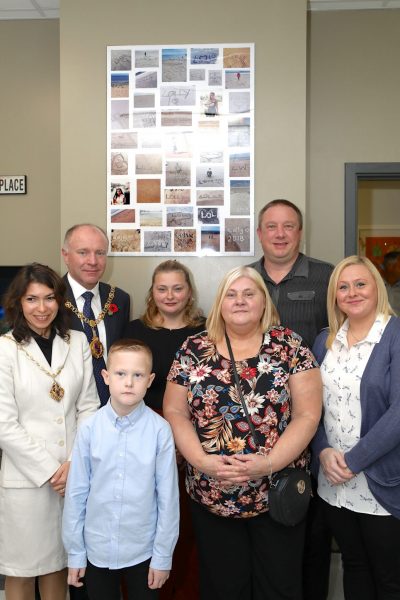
[180,150]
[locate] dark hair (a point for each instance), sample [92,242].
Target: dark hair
[193,316]
[281,202]
[34,273]
[391,257]
[130,345]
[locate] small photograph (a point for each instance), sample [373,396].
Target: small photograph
[148,164]
[210,197]
[184,240]
[119,85]
[144,101]
[175,118]
[122,215]
[119,114]
[214,77]
[184,95]
[237,235]
[146,79]
[208,215]
[197,74]
[204,56]
[180,217]
[236,57]
[178,172]
[150,217]
[210,239]
[240,197]
[119,163]
[125,240]
[178,144]
[237,79]
[121,60]
[239,132]
[212,157]
[208,125]
[150,139]
[157,241]
[146,59]
[124,140]
[210,103]
[120,193]
[239,165]
[239,102]
[144,119]
[148,191]
[210,176]
[176,196]
[174,64]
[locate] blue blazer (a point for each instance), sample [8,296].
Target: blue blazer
[377,453]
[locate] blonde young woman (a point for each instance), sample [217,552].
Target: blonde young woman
[244,555]
[171,316]
[358,441]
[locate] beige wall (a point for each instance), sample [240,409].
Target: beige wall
[29,141]
[353,109]
[278,28]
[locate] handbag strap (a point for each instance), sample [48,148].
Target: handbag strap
[254,433]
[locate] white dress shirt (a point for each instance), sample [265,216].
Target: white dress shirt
[341,371]
[78,290]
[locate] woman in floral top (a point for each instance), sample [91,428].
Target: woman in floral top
[227,472]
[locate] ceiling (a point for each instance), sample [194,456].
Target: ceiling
[50,9]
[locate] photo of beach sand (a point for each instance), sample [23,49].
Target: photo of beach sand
[120,114]
[121,60]
[210,176]
[236,57]
[185,240]
[239,102]
[237,79]
[214,78]
[119,163]
[176,196]
[174,64]
[239,165]
[204,56]
[176,118]
[197,74]
[146,58]
[240,197]
[148,164]
[157,241]
[146,79]
[208,215]
[178,95]
[210,197]
[150,218]
[144,119]
[178,172]
[144,101]
[180,217]
[124,140]
[148,191]
[237,235]
[121,215]
[119,85]
[125,240]
[239,132]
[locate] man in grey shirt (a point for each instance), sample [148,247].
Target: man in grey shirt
[298,285]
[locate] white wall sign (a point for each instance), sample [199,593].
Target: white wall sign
[12,184]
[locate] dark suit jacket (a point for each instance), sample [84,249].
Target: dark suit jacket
[114,324]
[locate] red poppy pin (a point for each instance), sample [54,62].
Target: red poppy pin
[113,308]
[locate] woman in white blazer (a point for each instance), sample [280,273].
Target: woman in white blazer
[46,389]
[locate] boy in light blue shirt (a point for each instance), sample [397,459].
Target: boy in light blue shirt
[121,512]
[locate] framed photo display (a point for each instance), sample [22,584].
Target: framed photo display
[180,150]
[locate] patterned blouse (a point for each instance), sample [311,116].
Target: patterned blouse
[218,416]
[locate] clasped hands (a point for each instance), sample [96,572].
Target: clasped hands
[334,466]
[59,479]
[235,469]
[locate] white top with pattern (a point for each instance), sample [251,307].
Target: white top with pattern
[341,371]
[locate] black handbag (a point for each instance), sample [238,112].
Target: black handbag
[289,496]
[290,489]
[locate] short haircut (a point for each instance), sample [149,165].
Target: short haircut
[71,230]
[34,273]
[391,257]
[281,202]
[337,317]
[215,322]
[130,345]
[192,317]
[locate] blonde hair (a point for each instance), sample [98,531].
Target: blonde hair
[215,323]
[130,345]
[192,316]
[337,317]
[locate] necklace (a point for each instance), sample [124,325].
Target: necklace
[56,391]
[363,336]
[96,347]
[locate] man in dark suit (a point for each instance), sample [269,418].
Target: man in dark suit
[98,309]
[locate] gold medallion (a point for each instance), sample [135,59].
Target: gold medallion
[96,347]
[56,392]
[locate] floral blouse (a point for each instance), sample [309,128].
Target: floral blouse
[218,416]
